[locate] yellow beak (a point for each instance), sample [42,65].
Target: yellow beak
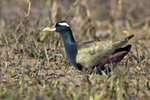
[45,31]
[49,29]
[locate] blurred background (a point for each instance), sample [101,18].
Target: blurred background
[95,19]
[37,69]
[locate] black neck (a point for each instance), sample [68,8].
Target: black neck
[68,37]
[71,48]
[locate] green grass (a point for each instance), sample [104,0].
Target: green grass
[32,69]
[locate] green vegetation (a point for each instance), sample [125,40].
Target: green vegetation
[32,69]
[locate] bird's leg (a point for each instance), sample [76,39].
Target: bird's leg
[110,66]
[90,70]
[103,68]
[99,69]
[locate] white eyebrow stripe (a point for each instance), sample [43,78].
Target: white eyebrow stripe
[64,24]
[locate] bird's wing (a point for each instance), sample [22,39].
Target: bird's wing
[92,53]
[84,44]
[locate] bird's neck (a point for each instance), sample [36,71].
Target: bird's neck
[70,47]
[68,37]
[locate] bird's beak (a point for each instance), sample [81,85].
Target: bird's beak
[49,29]
[45,31]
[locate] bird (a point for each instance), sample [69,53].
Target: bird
[90,54]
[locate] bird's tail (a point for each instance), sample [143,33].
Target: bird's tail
[128,38]
[123,42]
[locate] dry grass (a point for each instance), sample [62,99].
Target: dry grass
[32,69]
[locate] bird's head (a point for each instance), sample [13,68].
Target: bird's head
[61,27]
